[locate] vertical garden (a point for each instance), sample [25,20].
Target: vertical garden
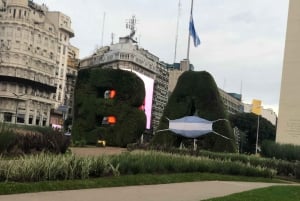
[101,115]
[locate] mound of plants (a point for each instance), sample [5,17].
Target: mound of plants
[91,107]
[282,167]
[16,140]
[43,166]
[288,152]
[196,93]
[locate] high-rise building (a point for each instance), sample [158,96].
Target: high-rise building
[176,70]
[288,127]
[71,76]
[34,44]
[127,55]
[232,102]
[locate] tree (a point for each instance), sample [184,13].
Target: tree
[247,123]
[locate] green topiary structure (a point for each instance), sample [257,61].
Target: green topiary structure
[90,107]
[196,93]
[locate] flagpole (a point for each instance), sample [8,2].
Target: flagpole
[189,38]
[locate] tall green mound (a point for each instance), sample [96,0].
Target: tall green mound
[90,107]
[196,93]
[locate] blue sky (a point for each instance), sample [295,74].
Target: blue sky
[242,41]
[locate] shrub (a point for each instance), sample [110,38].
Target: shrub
[297,170]
[7,138]
[15,140]
[280,151]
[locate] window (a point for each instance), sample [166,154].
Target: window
[7,117]
[3,86]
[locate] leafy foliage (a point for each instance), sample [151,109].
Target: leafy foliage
[196,93]
[7,138]
[16,140]
[280,151]
[90,107]
[247,123]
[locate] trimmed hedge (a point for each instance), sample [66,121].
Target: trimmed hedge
[16,140]
[7,138]
[288,152]
[196,93]
[90,107]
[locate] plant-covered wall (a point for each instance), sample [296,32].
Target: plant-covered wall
[91,107]
[196,93]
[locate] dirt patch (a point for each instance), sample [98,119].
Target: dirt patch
[96,151]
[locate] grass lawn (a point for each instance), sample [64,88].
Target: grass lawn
[126,180]
[274,193]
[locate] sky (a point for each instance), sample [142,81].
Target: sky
[242,41]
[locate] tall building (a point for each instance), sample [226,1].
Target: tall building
[127,55]
[288,127]
[71,76]
[232,102]
[176,70]
[33,61]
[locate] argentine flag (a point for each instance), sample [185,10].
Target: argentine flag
[193,33]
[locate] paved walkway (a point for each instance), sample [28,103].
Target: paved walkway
[190,191]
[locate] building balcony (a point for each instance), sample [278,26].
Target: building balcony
[67,29]
[37,84]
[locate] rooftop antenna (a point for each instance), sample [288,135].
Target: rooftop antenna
[131,25]
[112,38]
[176,37]
[241,89]
[102,29]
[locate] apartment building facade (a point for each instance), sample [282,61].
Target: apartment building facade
[33,61]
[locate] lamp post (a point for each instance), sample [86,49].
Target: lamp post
[256,109]
[17,104]
[256,144]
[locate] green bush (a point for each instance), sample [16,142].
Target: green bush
[297,170]
[15,140]
[196,93]
[7,138]
[288,152]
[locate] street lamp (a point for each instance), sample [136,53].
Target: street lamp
[17,104]
[256,109]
